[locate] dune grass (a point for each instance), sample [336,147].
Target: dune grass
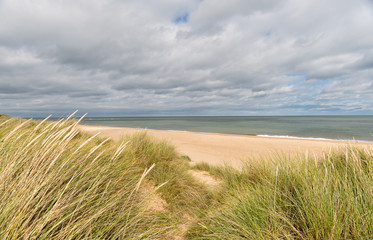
[58,183]
[183,194]
[329,198]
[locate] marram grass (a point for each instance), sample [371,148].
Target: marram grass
[56,183]
[329,198]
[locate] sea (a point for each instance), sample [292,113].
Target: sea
[356,128]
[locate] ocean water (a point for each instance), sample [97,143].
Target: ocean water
[358,128]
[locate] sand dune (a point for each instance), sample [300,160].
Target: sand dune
[218,149]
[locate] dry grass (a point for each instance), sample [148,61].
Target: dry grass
[58,183]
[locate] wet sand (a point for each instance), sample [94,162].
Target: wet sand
[220,149]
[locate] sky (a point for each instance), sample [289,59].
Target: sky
[186,57]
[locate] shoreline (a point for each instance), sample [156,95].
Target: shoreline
[243,134]
[231,149]
[263,135]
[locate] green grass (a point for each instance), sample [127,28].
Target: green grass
[330,198]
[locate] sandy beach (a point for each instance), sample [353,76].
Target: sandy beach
[220,149]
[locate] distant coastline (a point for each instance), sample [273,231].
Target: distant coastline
[335,128]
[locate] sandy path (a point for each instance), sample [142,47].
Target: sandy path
[217,149]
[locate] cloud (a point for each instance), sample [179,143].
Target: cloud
[186,57]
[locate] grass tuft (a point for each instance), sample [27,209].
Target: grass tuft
[331,198]
[180,190]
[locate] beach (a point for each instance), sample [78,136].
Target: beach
[233,150]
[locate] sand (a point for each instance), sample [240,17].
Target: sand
[234,150]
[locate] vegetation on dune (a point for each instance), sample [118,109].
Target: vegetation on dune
[184,195]
[3,116]
[59,183]
[330,198]
[56,182]
[169,168]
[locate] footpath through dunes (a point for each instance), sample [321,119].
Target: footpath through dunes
[220,149]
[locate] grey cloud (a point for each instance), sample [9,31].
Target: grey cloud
[9,89]
[232,57]
[365,62]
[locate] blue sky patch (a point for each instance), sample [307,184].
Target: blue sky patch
[182,19]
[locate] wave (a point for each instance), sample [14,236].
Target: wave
[170,130]
[310,138]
